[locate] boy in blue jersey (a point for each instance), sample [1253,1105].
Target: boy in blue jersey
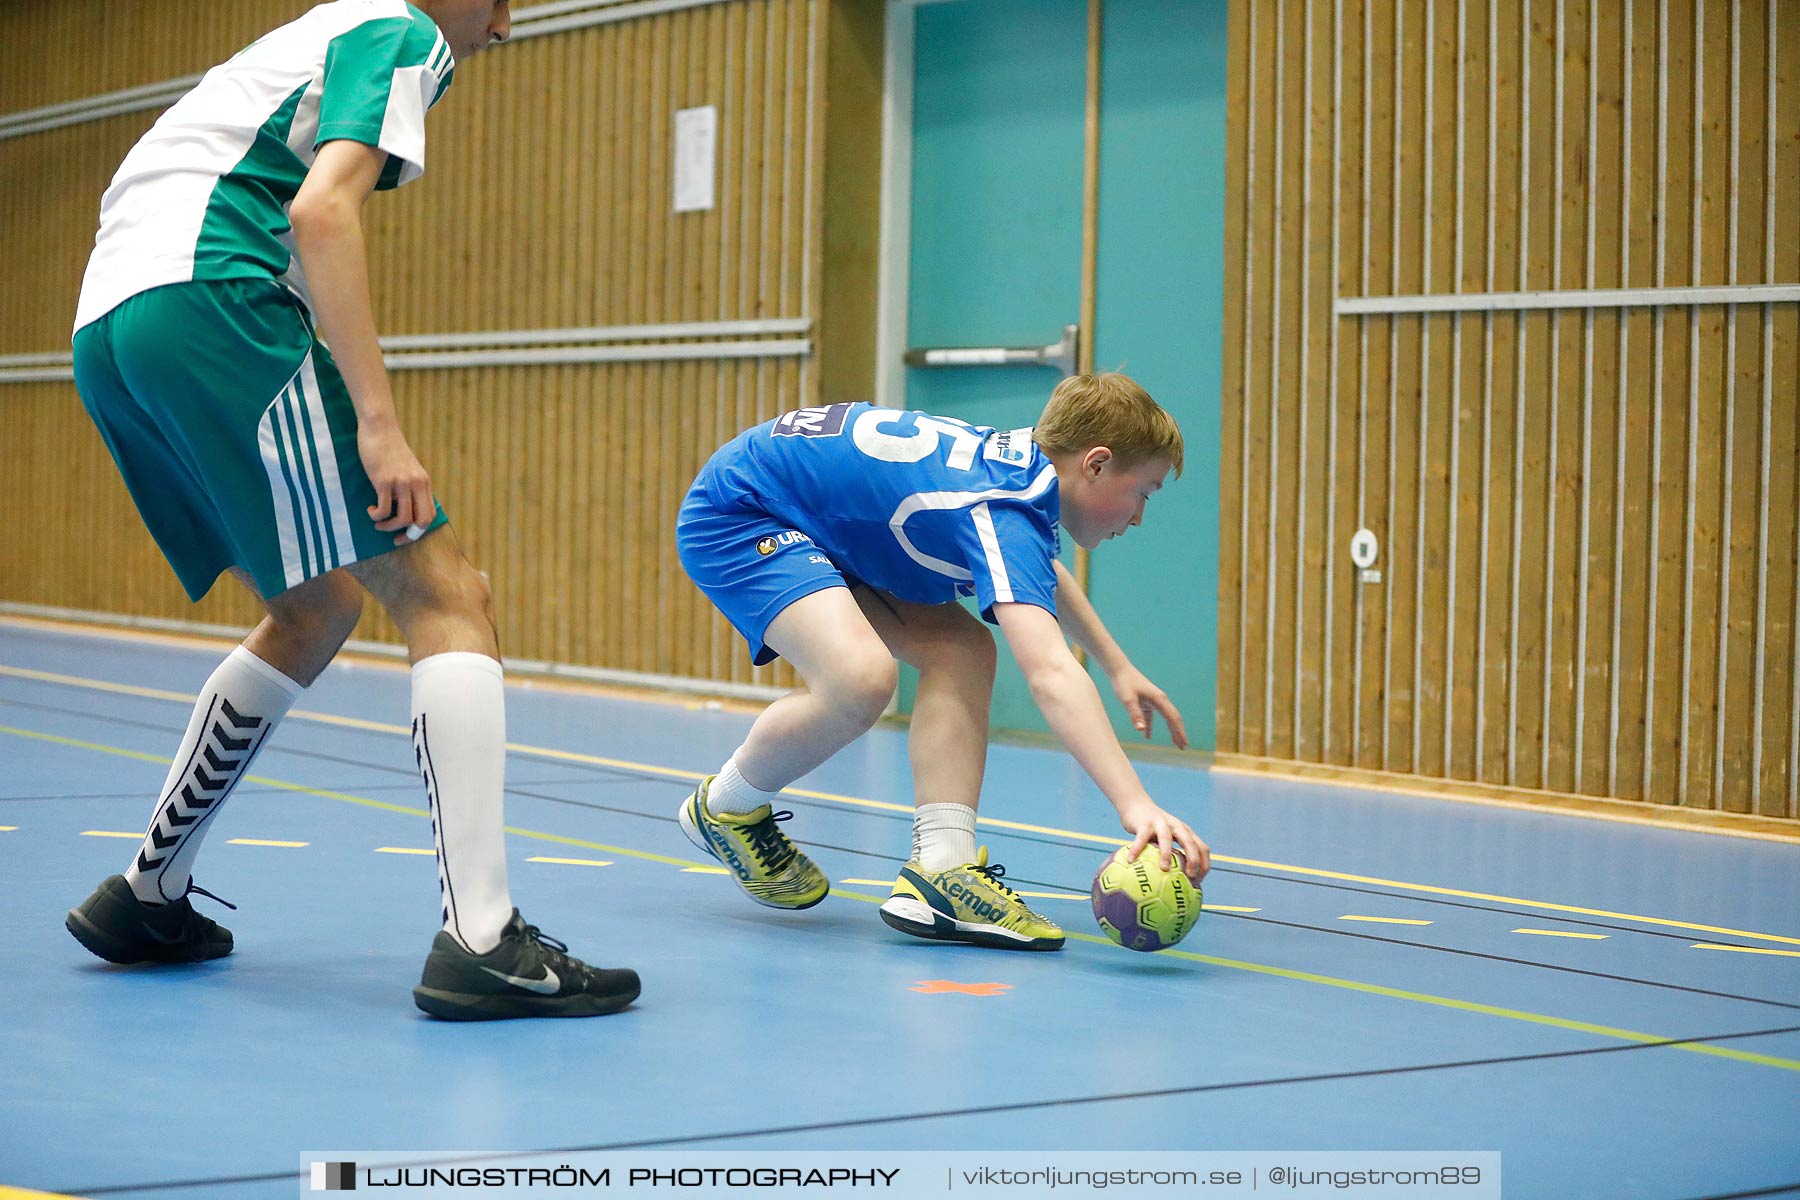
[840,538]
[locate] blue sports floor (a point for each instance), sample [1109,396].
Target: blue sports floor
[1614,1007]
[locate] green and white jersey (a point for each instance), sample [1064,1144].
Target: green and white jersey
[205,193]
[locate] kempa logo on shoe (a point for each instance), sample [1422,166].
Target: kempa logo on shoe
[980,906]
[547,986]
[728,853]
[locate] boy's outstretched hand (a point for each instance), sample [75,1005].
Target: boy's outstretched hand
[1143,700]
[1149,823]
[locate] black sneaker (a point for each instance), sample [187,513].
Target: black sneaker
[526,975]
[117,926]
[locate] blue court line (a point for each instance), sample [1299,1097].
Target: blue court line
[571,756]
[1541,1019]
[520,790]
[1298,925]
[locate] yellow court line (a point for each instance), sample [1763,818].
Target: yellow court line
[118,833]
[1592,937]
[264,842]
[403,850]
[1495,899]
[19,1193]
[1384,920]
[8,828]
[870,882]
[704,871]
[1470,1006]
[1567,804]
[1492,1010]
[97,685]
[879,805]
[572,862]
[1372,989]
[572,756]
[1226,908]
[1746,949]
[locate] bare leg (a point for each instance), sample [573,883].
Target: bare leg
[307,624]
[946,892]
[436,596]
[849,678]
[955,657]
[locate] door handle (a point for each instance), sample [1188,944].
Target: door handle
[1059,354]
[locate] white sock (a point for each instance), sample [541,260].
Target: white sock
[459,740]
[242,701]
[732,793]
[943,836]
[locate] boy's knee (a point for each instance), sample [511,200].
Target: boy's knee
[862,685]
[472,590]
[453,587]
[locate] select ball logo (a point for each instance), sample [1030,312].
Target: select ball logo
[769,545]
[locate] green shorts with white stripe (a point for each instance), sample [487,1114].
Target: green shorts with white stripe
[234,432]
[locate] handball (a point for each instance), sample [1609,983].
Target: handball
[1141,906]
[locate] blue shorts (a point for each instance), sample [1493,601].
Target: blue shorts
[750,565]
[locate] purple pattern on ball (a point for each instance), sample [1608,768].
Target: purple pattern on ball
[1120,910]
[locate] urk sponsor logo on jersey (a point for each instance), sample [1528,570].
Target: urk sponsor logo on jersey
[811,422]
[769,545]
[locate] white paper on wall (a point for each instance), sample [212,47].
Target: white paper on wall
[696,132]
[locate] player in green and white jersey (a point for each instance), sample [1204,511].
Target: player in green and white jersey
[230,244]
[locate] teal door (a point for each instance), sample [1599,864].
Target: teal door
[999,95]
[999,103]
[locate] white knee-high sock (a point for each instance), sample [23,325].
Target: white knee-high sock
[242,702]
[459,739]
[943,836]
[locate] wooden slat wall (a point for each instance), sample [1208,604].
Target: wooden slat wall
[545,205]
[1587,516]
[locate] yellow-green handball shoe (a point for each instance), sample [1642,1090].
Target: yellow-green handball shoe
[755,851]
[967,904]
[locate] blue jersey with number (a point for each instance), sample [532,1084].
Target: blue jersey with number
[927,508]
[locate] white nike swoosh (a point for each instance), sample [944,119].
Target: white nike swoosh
[547,986]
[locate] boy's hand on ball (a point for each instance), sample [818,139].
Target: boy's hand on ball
[1147,823]
[1143,700]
